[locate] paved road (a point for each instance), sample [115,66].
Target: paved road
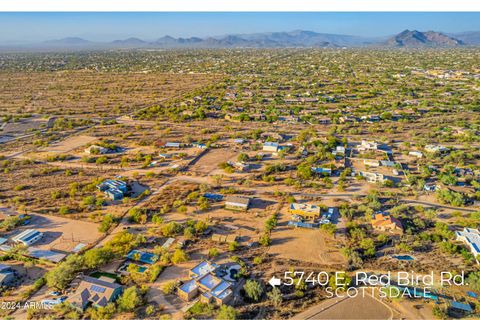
[436,205]
[316,311]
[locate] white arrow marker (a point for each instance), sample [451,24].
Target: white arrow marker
[275,281]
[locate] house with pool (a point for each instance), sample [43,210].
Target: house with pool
[210,283]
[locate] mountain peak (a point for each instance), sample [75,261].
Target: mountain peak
[415,38]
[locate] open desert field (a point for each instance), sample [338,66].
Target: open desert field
[91,93]
[210,161]
[69,144]
[60,233]
[314,246]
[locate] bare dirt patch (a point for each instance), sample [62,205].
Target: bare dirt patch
[69,144]
[307,245]
[61,233]
[211,160]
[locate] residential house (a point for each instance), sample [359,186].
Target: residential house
[305,210]
[373,177]
[368,145]
[416,154]
[222,238]
[206,285]
[240,166]
[165,156]
[323,120]
[386,223]
[176,145]
[339,151]
[199,145]
[114,189]
[28,237]
[348,119]
[322,171]
[237,203]
[95,292]
[271,146]
[371,163]
[471,237]
[213,196]
[94,149]
[387,163]
[371,118]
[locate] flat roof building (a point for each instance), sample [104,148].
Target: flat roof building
[28,237]
[271,146]
[322,171]
[206,284]
[237,203]
[305,210]
[114,189]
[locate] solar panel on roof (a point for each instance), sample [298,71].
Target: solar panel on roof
[97,288]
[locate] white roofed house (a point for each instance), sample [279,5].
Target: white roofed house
[417,154]
[368,145]
[373,177]
[471,237]
[205,284]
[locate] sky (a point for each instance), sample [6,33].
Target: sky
[37,27]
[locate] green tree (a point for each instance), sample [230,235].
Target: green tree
[61,276]
[137,215]
[213,252]
[473,280]
[304,171]
[275,296]
[368,246]
[97,256]
[242,157]
[330,228]
[253,290]
[107,223]
[265,239]
[169,287]
[227,313]
[129,300]
[179,256]
[203,203]
[102,313]
[232,246]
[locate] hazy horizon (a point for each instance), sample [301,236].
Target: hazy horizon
[25,28]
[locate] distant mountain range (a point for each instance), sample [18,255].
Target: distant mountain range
[293,39]
[416,38]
